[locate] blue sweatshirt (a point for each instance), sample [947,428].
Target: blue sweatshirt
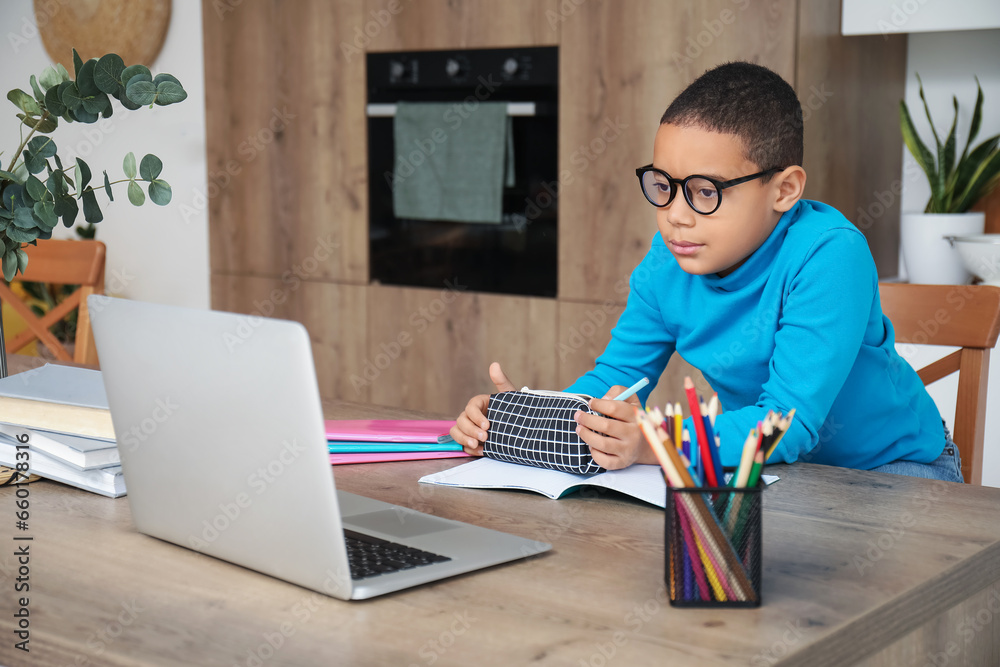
[798,325]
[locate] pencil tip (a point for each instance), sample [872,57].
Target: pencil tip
[688,384]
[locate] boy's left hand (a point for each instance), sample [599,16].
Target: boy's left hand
[615,440]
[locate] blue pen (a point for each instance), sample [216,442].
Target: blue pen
[631,390]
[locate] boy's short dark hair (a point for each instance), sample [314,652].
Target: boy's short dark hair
[749,101]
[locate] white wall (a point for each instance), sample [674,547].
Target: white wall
[882,17]
[947,62]
[155,253]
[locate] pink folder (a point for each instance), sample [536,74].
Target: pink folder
[387,430]
[344,459]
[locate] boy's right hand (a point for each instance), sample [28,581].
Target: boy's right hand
[471,426]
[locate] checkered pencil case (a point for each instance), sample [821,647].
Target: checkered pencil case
[537,428]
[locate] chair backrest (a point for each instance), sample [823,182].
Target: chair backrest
[60,262]
[964,316]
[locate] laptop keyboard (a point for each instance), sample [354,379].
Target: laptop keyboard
[370,556]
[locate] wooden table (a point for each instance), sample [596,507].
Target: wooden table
[858,568]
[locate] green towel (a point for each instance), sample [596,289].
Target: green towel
[450,162]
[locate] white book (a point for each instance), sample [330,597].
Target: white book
[80,451]
[644,482]
[107,481]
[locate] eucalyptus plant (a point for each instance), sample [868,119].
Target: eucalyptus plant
[955,186]
[30,207]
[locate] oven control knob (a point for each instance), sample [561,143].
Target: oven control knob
[397,70]
[453,68]
[510,66]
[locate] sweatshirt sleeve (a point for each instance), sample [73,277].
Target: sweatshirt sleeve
[640,343]
[824,313]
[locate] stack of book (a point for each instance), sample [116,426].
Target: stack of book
[62,412]
[378,440]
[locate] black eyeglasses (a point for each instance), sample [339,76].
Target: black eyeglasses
[703,194]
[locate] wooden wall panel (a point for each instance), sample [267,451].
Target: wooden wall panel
[850,88]
[585,330]
[621,64]
[333,314]
[471,24]
[431,349]
[286,154]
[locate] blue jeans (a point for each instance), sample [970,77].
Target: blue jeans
[947,467]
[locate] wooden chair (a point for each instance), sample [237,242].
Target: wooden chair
[61,263]
[964,316]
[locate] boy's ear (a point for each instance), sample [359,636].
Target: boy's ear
[789,184]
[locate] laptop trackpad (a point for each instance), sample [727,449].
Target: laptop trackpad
[398,523]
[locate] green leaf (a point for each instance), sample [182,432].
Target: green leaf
[36,189]
[108,110]
[77,63]
[135,194]
[63,74]
[982,181]
[9,265]
[50,78]
[24,102]
[55,184]
[66,208]
[43,146]
[135,70]
[82,115]
[977,119]
[7,176]
[19,235]
[96,104]
[39,95]
[13,196]
[163,76]
[69,95]
[22,260]
[23,219]
[33,163]
[917,148]
[91,209]
[927,111]
[946,158]
[141,92]
[128,165]
[107,186]
[108,73]
[53,103]
[169,92]
[83,176]
[38,124]
[160,193]
[85,79]
[46,214]
[150,167]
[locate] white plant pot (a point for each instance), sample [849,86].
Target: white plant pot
[929,258]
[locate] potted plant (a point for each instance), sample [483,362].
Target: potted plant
[36,189]
[956,186]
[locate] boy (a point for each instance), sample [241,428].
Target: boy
[773,297]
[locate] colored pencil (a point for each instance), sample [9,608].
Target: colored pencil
[704,446]
[679,426]
[786,423]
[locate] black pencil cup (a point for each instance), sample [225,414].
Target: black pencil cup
[713,546]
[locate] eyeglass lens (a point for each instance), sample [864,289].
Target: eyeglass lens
[701,194]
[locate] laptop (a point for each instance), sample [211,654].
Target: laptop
[220,429]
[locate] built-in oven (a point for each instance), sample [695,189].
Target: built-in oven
[517,255]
